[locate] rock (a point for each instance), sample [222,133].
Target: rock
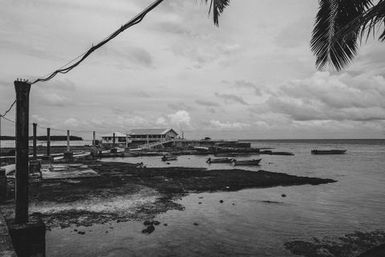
[147,223]
[221,201]
[148,230]
[283,195]
[156,223]
[165,224]
[200,203]
[196,224]
[81,232]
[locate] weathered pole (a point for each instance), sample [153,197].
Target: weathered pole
[22,89]
[34,141]
[93,138]
[48,142]
[126,140]
[113,139]
[68,141]
[1,117]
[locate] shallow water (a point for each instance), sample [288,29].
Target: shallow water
[253,222]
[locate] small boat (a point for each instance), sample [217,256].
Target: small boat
[254,162]
[269,152]
[167,158]
[332,151]
[232,154]
[219,160]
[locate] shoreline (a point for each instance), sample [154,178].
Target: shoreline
[139,193]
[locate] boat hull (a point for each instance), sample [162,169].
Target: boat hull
[247,163]
[328,151]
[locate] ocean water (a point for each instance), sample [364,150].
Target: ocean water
[245,224]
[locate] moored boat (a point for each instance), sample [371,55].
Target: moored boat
[219,160]
[254,162]
[332,151]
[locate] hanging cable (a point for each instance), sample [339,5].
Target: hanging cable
[5,118]
[137,19]
[9,109]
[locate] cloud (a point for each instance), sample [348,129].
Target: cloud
[180,118]
[331,97]
[295,34]
[231,98]
[207,103]
[141,94]
[247,85]
[60,84]
[72,122]
[161,121]
[131,121]
[174,27]
[179,106]
[123,54]
[228,125]
[53,99]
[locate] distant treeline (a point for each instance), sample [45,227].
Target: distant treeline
[44,138]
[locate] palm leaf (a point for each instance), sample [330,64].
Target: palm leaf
[217,7]
[328,44]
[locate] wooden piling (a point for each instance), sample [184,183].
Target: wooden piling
[22,89]
[34,141]
[48,142]
[68,141]
[113,139]
[93,138]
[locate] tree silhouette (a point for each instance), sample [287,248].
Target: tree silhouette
[340,27]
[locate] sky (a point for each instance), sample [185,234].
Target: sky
[254,76]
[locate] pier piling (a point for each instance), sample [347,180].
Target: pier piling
[48,142]
[22,120]
[34,141]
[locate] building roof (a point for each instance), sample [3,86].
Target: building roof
[117,134]
[150,131]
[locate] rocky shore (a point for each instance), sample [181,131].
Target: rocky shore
[124,192]
[360,244]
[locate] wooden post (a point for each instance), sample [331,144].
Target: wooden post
[22,89]
[113,139]
[1,117]
[68,141]
[126,140]
[93,138]
[48,142]
[34,141]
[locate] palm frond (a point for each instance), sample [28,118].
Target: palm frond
[217,7]
[328,44]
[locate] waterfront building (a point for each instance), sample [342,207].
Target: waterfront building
[146,136]
[120,138]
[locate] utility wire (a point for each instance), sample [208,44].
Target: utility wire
[137,19]
[9,109]
[5,118]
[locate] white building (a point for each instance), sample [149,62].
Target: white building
[120,138]
[140,136]
[143,136]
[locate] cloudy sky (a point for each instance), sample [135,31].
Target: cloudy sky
[253,77]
